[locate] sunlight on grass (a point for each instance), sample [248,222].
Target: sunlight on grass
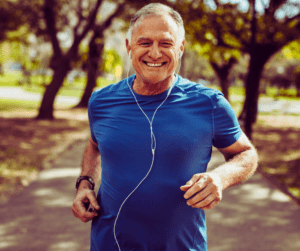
[13,105]
[10,78]
[74,89]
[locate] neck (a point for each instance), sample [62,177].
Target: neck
[150,89]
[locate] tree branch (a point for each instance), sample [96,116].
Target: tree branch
[79,16]
[49,16]
[289,20]
[91,22]
[104,25]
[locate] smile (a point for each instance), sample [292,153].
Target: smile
[154,64]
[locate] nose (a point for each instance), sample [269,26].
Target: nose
[154,52]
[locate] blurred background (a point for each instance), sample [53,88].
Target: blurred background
[54,53]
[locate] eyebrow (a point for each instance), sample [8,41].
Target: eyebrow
[146,38]
[143,38]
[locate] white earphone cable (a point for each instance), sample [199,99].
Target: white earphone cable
[153,147]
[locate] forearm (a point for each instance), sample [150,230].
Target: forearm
[91,161]
[237,169]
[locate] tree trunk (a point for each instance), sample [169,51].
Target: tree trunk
[223,73]
[225,87]
[297,82]
[252,93]
[96,47]
[250,108]
[60,62]
[46,108]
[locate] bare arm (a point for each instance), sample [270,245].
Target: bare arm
[91,168]
[91,161]
[204,190]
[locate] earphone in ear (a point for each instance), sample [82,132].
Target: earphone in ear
[181,54]
[129,54]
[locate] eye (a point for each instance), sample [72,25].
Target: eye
[166,44]
[145,43]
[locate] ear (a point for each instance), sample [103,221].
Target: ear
[182,47]
[128,47]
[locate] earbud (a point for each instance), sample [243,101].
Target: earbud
[181,54]
[129,55]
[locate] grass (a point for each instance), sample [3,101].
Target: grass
[15,105]
[38,83]
[10,79]
[271,92]
[76,87]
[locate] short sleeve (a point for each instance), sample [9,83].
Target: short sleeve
[227,129]
[90,106]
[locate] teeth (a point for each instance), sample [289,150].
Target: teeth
[154,65]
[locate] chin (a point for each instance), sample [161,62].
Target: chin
[154,80]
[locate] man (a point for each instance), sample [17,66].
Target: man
[155,132]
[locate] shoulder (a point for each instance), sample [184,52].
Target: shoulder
[110,91]
[196,89]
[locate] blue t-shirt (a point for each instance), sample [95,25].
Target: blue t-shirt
[155,217]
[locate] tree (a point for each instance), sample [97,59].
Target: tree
[200,27]
[61,60]
[96,48]
[223,73]
[259,34]
[221,60]
[297,82]
[292,52]
[10,19]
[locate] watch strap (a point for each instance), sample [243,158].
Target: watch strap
[88,178]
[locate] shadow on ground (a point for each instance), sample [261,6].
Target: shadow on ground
[251,217]
[40,217]
[254,216]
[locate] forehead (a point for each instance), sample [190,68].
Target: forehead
[155,27]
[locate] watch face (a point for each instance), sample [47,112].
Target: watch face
[89,179]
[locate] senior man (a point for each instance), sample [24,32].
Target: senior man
[154,133]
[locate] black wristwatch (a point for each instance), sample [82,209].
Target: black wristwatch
[81,178]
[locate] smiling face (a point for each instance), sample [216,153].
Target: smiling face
[155,49]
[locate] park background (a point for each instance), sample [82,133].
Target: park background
[54,53]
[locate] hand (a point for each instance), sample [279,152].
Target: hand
[204,190]
[85,195]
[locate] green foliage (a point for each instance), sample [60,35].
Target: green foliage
[102,82]
[111,60]
[227,27]
[292,50]
[9,18]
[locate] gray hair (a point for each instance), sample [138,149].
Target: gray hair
[156,9]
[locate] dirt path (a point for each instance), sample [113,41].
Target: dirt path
[252,216]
